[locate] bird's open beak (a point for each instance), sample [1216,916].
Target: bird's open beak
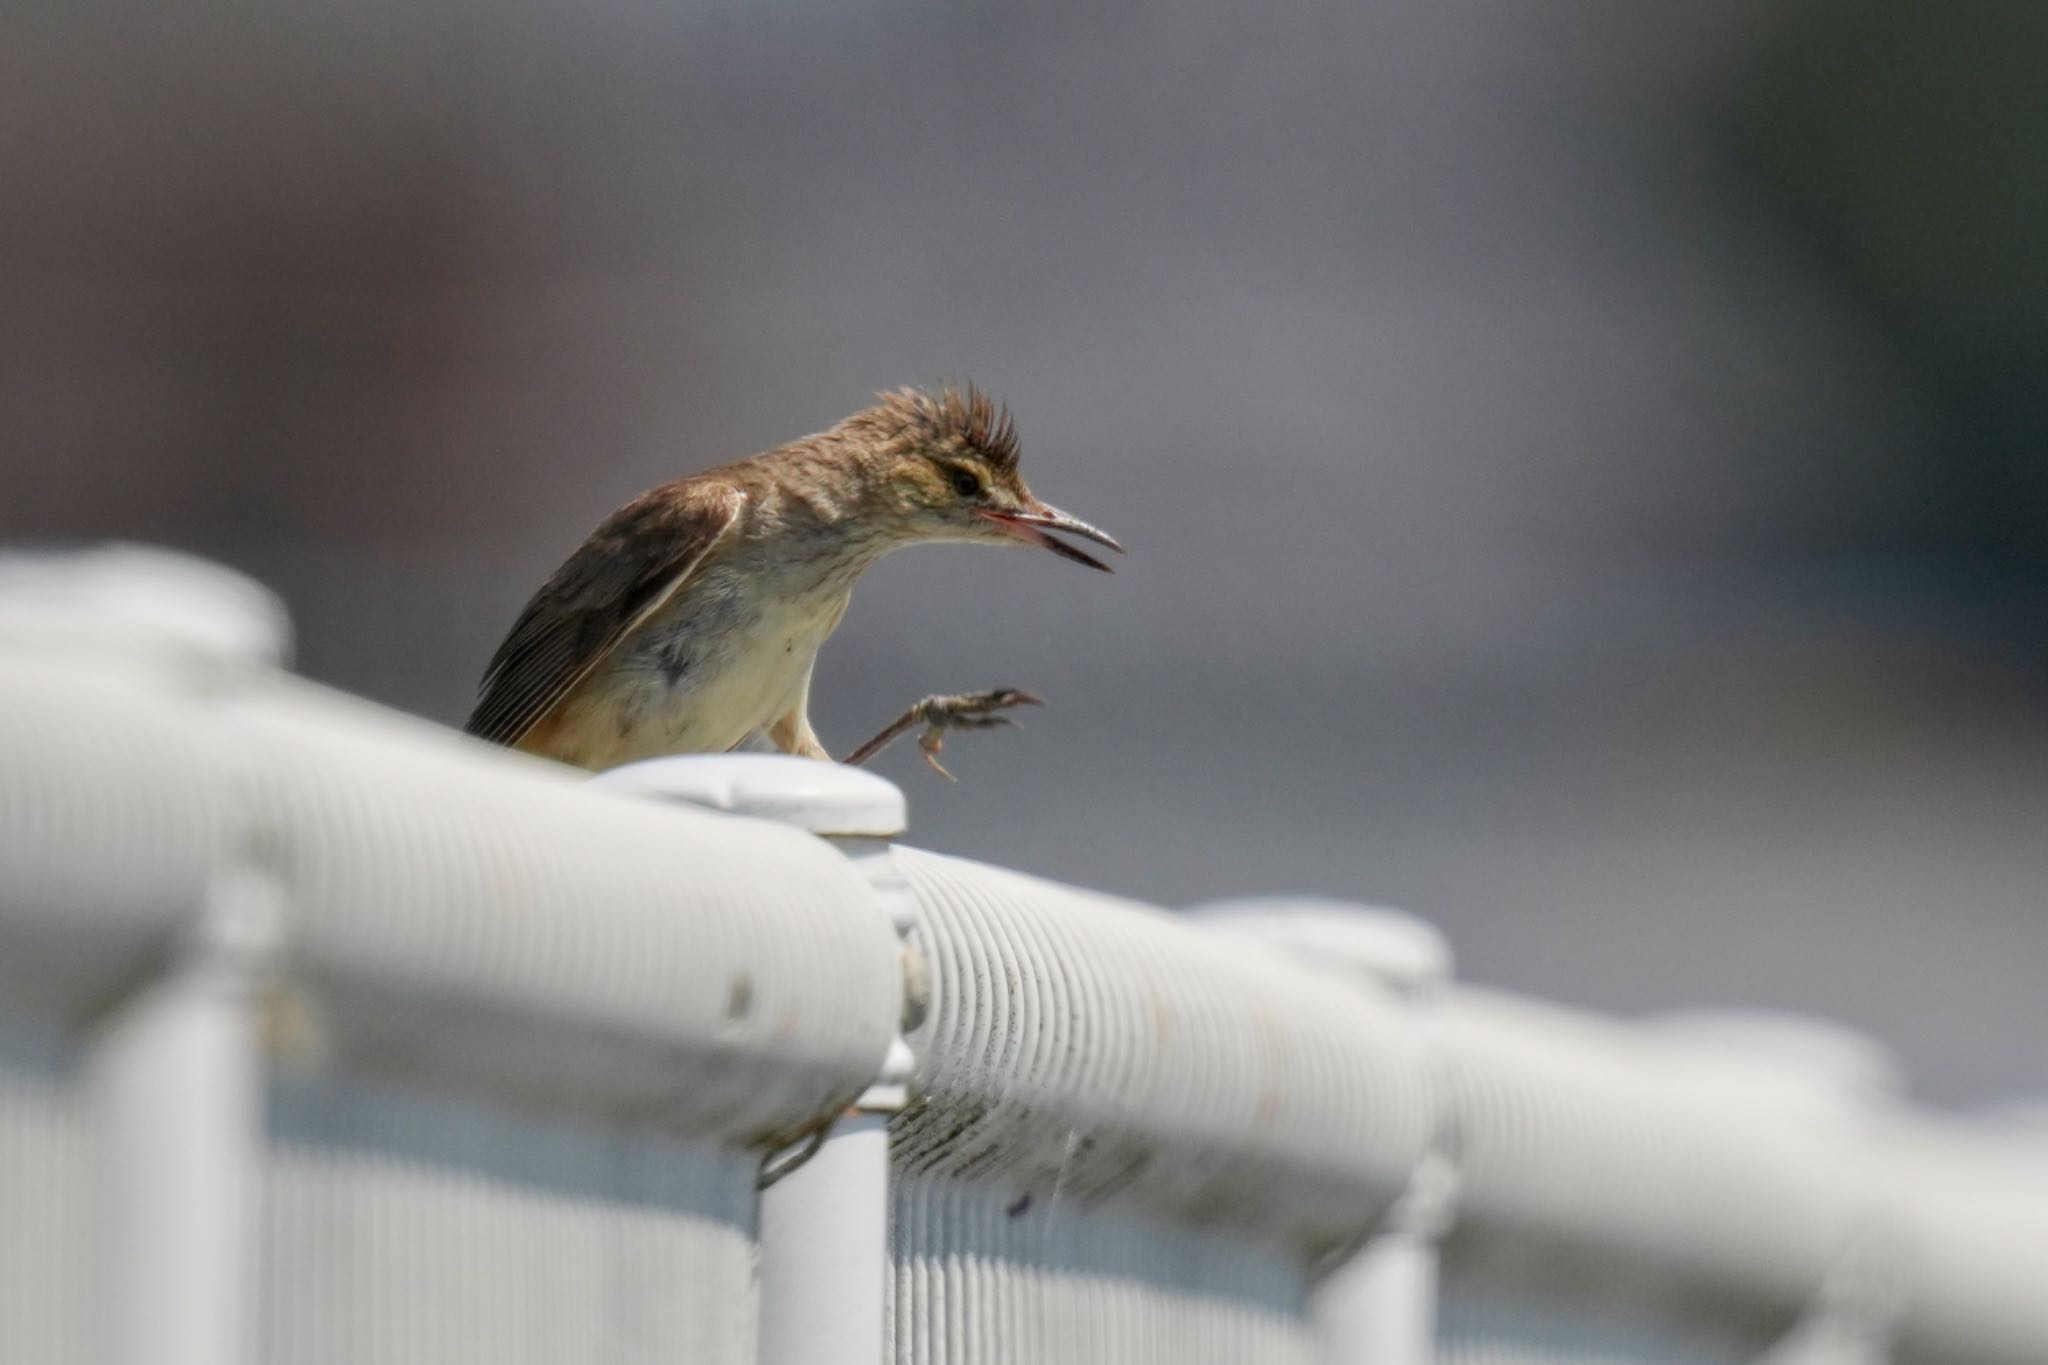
[1031,527]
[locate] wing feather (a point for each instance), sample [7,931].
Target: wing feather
[615,580]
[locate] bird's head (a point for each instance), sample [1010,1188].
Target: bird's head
[949,472]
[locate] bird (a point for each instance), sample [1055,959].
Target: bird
[690,620]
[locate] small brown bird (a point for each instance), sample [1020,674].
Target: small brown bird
[691,619]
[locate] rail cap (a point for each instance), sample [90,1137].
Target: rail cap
[1808,1053]
[828,799]
[137,597]
[1393,948]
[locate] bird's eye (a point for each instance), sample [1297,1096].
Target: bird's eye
[966,483]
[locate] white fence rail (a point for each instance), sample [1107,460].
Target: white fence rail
[329,1036]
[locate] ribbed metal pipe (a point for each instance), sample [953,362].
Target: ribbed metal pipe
[1616,1187]
[1094,1073]
[1118,1053]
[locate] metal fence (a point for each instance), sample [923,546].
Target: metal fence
[329,1036]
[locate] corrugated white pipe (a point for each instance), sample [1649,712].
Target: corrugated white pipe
[1134,1140]
[1624,1185]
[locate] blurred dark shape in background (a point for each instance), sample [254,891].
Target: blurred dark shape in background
[1581,461]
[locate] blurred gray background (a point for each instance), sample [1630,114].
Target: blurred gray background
[1580,460]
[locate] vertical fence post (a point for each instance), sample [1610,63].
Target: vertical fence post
[174,1078]
[824,1206]
[1376,1306]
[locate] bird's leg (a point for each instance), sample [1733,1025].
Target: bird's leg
[792,735]
[962,711]
[791,731]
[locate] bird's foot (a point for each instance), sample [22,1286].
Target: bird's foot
[961,711]
[965,711]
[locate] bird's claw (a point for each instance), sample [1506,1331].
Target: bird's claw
[965,711]
[961,711]
[929,743]
[973,710]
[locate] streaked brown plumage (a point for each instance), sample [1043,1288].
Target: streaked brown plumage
[690,619]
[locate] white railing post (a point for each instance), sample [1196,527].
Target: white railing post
[824,1209]
[1376,1306]
[175,1079]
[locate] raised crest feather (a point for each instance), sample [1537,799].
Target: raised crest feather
[964,417]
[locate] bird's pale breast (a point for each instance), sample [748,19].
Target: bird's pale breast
[723,659]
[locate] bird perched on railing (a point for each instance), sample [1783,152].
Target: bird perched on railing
[691,619]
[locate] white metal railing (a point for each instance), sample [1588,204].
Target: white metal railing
[327,1035]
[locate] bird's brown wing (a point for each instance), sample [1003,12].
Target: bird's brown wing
[619,577]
